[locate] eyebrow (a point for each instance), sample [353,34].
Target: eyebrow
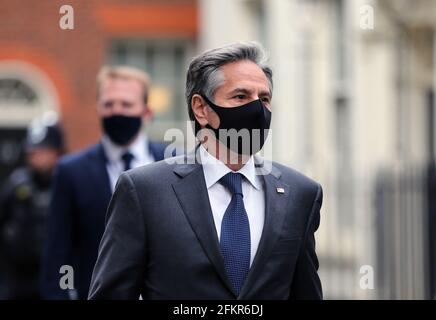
[246,91]
[240,90]
[265,94]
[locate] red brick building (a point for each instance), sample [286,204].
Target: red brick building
[45,67]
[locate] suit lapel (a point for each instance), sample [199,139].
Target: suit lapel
[191,191]
[275,210]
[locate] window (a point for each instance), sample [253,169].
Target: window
[166,62]
[14,91]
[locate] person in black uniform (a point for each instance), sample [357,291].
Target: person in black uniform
[24,201]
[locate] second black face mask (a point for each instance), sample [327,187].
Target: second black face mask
[121,129]
[254,117]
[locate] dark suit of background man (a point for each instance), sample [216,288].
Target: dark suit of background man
[83,182]
[227,226]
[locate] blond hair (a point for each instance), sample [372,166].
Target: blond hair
[125,73]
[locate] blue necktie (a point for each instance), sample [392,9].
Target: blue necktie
[127,160]
[235,233]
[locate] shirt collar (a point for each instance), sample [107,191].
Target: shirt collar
[114,152]
[214,169]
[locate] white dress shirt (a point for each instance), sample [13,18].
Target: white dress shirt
[115,165]
[220,196]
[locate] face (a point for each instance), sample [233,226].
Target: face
[244,81]
[122,97]
[42,160]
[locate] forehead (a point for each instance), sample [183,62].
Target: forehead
[121,86]
[246,74]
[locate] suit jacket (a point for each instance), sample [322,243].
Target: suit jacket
[76,218]
[160,240]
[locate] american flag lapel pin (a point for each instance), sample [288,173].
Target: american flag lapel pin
[280,190]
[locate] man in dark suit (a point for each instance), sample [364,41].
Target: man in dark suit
[220,222]
[84,182]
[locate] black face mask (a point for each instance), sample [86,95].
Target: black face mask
[251,123]
[121,129]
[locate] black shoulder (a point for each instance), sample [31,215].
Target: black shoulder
[79,157]
[158,146]
[18,177]
[158,150]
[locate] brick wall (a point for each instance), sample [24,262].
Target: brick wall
[30,32]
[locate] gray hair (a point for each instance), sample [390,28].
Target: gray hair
[204,75]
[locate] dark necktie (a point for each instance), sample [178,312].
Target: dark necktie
[127,160]
[235,233]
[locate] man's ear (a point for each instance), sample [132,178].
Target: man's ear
[147,114]
[200,109]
